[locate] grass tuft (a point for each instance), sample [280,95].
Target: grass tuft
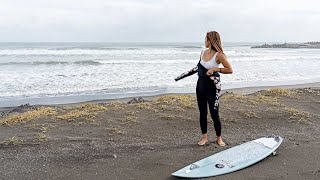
[11,141]
[87,107]
[184,100]
[282,92]
[115,105]
[252,100]
[143,105]
[41,137]
[167,116]
[131,119]
[28,116]
[92,107]
[73,115]
[296,114]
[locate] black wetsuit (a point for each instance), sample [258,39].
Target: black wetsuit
[208,92]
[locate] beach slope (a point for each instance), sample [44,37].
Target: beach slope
[152,139]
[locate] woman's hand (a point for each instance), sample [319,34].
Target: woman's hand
[212,70]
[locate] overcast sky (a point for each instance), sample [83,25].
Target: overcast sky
[157,20]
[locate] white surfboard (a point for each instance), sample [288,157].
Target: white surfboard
[232,159]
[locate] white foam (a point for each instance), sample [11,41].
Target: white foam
[127,70]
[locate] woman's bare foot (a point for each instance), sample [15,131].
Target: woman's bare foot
[220,141]
[204,140]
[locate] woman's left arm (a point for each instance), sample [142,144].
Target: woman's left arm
[227,68]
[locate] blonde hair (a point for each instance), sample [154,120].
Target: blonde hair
[214,38]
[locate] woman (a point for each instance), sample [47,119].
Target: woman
[208,85]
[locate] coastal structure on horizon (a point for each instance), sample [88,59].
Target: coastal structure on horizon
[312,44]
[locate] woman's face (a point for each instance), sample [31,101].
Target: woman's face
[207,43]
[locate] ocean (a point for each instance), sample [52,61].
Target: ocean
[56,73]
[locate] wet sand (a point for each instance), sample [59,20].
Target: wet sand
[150,140]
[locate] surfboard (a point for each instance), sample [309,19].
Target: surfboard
[232,159]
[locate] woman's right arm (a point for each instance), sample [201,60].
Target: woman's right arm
[188,73]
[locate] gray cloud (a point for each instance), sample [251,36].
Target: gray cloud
[151,20]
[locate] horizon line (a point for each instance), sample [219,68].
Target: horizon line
[150,41]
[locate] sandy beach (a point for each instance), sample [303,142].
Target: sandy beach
[107,90]
[150,139]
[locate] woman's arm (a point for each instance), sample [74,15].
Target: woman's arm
[190,72]
[186,74]
[227,68]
